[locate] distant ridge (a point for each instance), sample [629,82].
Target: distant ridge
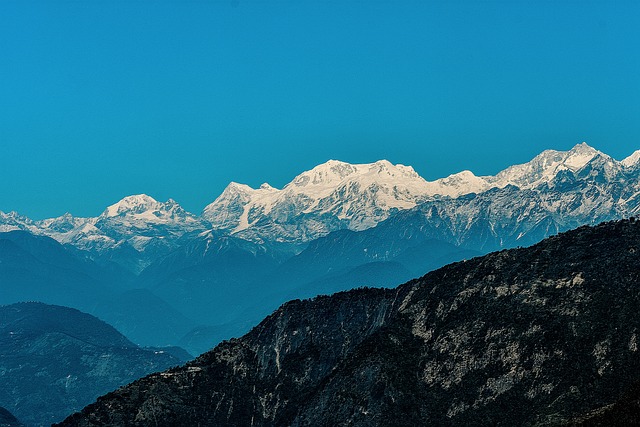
[331,196]
[55,360]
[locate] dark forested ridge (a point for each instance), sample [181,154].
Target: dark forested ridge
[544,335]
[55,360]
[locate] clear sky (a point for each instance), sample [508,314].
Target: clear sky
[100,99]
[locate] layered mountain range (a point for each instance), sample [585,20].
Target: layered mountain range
[545,335]
[337,195]
[164,276]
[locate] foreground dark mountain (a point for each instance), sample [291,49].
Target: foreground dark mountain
[55,360]
[537,336]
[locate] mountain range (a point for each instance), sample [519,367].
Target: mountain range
[164,276]
[545,335]
[334,196]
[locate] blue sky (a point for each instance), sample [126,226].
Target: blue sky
[100,99]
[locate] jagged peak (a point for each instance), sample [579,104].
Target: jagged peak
[583,147]
[545,166]
[266,186]
[580,155]
[235,189]
[12,214]
[333,172]
[631,160]
[128,203]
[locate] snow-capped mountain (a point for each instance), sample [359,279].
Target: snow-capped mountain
[141,220]
[145,226]
[331,196]
[13,221]
[541,169]
[337,195]
[559,186]
[544,167]
[138,220]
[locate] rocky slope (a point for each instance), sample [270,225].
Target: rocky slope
[54,360]
[534,336]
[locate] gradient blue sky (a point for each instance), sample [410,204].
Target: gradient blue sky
[100,99]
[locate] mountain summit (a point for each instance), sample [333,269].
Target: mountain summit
[330,196]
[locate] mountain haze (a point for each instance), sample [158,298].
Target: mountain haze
[536,336]
[54,360]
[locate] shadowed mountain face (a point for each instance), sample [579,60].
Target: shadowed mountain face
[542,335]
[7,419]
[54,360]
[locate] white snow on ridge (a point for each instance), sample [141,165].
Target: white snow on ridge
[330,196]
[632,160]
[365,194]
[138,203]
[544,167]
[335,188]
[458,184]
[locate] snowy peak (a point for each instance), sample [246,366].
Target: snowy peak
[62,224]
[145,208]
[359,195]
[265,186]
[13,221]
[331,196]
[226,210]
[323,179]
[243,192]
[632,160]
[544,167]
[334,172]
[131,204]
[458,184]
[580,155]
[326,174]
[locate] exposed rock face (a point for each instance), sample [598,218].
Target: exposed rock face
[54,360]
[535,336]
